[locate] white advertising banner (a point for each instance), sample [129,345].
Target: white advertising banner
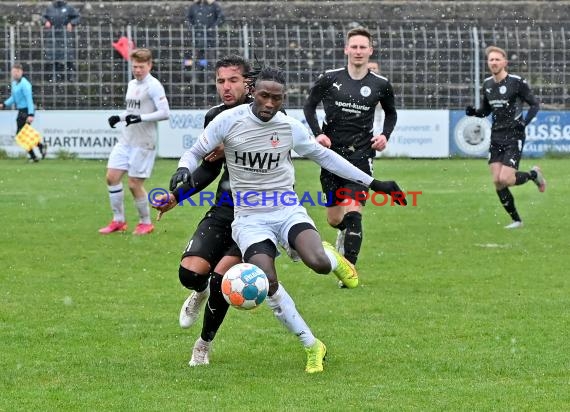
[8,133]
[419,133]
[86,133]
[179,133]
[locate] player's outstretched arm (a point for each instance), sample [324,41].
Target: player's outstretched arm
[338,165]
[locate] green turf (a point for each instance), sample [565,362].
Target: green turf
[453,312]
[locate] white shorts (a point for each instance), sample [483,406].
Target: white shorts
[137,161]
[275,226]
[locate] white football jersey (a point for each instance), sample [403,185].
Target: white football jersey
[145,97]
[258,157]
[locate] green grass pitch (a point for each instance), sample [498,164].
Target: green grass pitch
[453,311]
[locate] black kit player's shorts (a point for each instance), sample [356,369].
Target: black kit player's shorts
[336,189]
[508,154]
[212,239]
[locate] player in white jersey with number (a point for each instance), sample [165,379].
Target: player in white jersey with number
[258,140]
[136,149]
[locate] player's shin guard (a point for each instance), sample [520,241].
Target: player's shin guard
[353,236]
[508,202]
[192,280]
[284,309]
[216,309]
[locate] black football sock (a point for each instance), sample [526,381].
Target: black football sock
[32,154]
[341,225]
[508,202]
[216,309]
[353,236]
[533,174]
[523,177]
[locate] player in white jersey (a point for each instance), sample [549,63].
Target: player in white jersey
[258,140]
[135,151]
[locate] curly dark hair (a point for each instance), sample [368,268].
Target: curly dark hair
[272,73]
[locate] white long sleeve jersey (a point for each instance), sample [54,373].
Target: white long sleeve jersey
[258,157]
[147,99]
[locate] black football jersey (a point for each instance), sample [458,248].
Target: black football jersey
[505,101]
[349,107]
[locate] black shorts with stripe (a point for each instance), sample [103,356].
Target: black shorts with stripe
[508,154]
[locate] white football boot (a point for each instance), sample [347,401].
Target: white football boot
[540,181]
[200,353]
[191,308]
[514,225]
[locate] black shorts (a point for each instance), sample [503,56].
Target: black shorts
[212,239]
[336,189]
[21,119]
[508,154]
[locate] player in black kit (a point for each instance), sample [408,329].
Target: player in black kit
[349,96]
[503,96]
[211,250]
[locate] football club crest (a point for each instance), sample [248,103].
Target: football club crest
[274,139]
[365,91]
[503,89]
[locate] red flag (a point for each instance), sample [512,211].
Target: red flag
[124,47]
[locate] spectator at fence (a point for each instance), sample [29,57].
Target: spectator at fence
[21,96]
[59,21]
[204,16]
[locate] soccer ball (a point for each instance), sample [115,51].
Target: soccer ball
[245,286]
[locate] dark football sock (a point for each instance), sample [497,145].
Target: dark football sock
[353,236]
[523,177]
[533,174]
[508,202]
[341,225]
[216,309]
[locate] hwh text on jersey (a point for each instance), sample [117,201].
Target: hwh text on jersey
[255,161]
[133,104]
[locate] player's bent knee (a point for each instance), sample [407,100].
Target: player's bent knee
[319,262]
[192,280]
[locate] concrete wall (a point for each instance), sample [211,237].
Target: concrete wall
[485,13]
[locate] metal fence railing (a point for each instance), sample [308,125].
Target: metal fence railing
[430,66]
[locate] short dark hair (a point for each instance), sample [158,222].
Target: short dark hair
[234,60]
[359,31]
[18,66]
[273,74]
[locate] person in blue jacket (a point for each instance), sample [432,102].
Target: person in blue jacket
[21,97]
